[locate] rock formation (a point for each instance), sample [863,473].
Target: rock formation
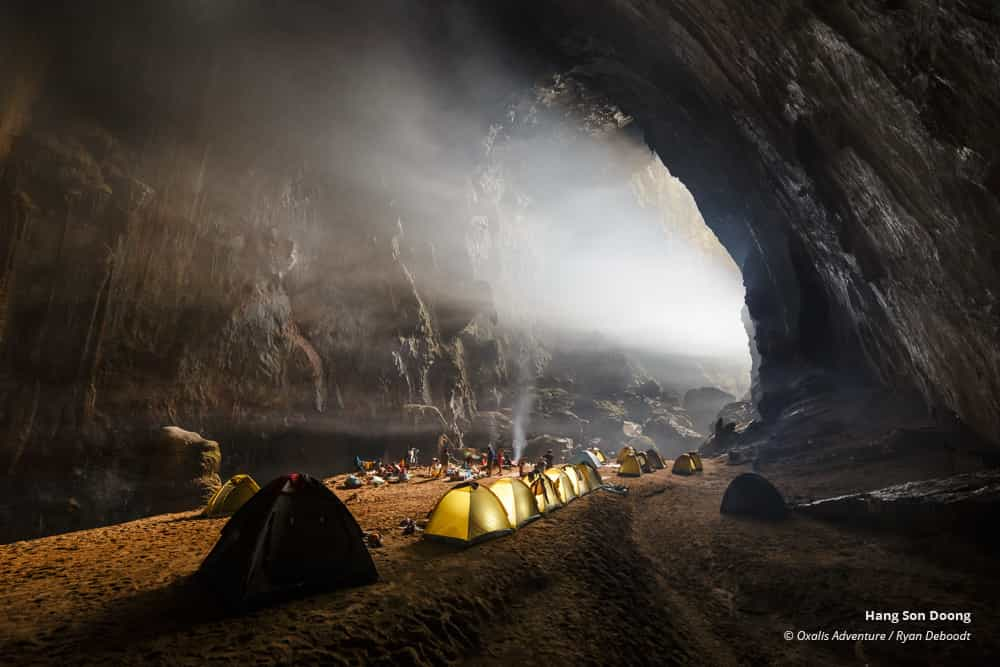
[222,248]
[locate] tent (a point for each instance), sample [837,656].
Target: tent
[643,463]
[624,452]
[291,536]
[752,495]
[574,479]
[232,496]
[655,460]
[696,459]
[600,455]
[630,467]
[562,485]
[580,484]
[683,465]
[467,514]
[545,494]
[590,476]
[587,457]
[517,500]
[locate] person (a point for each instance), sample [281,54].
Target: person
[443,445]
[549,458]
[359,464]
[539,467]
[491,457]
[500,461]
[413,456]
[520,467]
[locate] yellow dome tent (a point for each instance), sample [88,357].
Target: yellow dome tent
[696,459]
[683,465]
[590,476]
[600,455]
[232,495]
[517,499]
[655,460]
[467,514]
[580,484]
[582,481]
[574,479]
[562,484]
[643,463]
[624,452]
[630,467]
[545,494]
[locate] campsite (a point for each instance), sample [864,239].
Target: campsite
[558,588]
[513,333]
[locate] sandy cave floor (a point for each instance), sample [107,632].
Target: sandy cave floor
[656,577]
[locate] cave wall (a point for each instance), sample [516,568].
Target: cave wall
[172,254]
[846,153]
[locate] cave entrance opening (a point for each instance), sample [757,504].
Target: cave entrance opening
[614,261]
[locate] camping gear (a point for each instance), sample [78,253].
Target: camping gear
[517,500]
[293,535]
[584,456]
[624,452]
[752,495]
[589,476]
[545,494]
[353,482]
[582,481]
[654,460]
[574,479]
[562,484]
[237,490]
[683,465]
[377,481]
[600,455]
[630,467]
[467,514]
[696,459]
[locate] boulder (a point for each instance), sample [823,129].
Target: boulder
[489,427]
[965,503]
[183,470]
[538,445]
[704,404]
[672,434]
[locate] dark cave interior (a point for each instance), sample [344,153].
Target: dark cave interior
[309,232]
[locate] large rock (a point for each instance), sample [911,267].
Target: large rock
[704,404]
[673,435]
[967,503]
[183,470]
[490,427]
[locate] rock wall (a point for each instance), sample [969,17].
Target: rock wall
[846,152]
[190,233]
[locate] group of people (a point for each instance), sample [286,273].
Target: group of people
[490,459]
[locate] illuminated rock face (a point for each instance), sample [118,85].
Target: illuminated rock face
[221,248]
[846,153]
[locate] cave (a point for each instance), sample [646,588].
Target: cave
[264,238]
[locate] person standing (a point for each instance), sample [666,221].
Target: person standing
[500,461]
[491,457]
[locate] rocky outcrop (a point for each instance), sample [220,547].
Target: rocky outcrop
[704,404]
[182,471]
[203,257]
[673,435]
[966,503]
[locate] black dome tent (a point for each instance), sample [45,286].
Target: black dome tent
[292,536]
